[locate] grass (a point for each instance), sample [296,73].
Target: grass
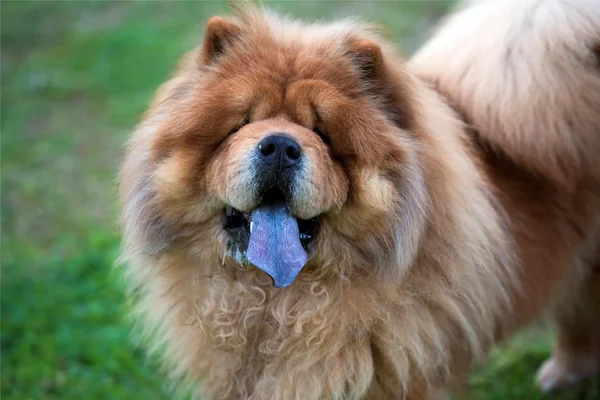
[75,78]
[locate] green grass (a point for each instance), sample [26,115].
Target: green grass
[75,78]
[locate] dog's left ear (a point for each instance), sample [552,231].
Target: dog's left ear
[220,33]
[382,80]
[368,57]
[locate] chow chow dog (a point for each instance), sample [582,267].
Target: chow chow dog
[306,215]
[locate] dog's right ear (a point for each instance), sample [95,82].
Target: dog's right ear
[220,33]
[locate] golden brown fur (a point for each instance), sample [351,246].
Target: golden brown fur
[436,238]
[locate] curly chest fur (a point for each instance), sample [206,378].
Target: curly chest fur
[256,336]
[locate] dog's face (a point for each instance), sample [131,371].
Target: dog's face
[292,148]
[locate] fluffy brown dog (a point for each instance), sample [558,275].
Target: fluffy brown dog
[306,217]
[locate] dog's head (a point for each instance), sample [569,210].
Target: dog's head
[288,144]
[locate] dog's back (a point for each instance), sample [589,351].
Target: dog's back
[526,76]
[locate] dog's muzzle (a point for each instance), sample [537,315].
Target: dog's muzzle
[270,237]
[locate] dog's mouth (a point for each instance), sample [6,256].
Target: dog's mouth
[270,238]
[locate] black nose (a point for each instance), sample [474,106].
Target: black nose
[280,151]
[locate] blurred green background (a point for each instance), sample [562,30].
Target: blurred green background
[75,77]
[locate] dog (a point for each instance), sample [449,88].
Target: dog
[306,215]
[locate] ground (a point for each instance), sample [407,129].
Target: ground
[75,78]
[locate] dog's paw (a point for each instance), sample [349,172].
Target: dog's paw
[556,374]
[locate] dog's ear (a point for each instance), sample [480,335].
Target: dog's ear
[382,80]
[219,34]
[368,58]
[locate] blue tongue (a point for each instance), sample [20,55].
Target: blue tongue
[274,245]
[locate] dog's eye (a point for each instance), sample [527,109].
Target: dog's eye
[246,121]
[320,133]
